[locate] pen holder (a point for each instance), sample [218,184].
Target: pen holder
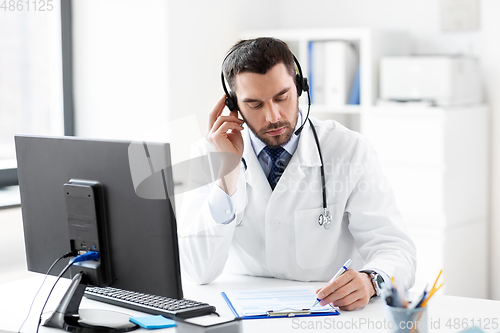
[403,320]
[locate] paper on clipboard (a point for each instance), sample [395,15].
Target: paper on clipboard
[256,303]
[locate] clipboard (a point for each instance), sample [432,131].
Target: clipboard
[276,303]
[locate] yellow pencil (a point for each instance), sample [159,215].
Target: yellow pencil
[433,289]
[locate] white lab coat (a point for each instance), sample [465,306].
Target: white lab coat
[276,233]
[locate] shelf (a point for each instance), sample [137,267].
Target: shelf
[346,109]
[371,45]
[389,110]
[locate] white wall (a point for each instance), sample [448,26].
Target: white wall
[140,69]
[420,18]
[200,34]
[489,50]
[140,65]
[120,55]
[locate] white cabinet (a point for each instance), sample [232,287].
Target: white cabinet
[436,160]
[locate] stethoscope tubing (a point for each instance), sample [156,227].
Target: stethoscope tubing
[323,181]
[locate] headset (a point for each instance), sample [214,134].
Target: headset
[324,219]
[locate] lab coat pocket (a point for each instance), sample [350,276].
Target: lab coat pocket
[314,245]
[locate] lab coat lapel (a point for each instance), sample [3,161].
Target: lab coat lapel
[305,156]
[307,151]
[254,175]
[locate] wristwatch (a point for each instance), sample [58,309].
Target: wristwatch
[377,281]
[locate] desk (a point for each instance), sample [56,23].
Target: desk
[460,312]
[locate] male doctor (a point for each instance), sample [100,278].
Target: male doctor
[261,216]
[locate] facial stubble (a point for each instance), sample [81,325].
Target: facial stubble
[278,140]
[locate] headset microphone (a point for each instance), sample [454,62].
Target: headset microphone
[297,132]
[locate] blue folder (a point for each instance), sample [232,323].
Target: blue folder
[354,97]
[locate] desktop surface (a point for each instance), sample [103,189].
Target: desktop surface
[452,314]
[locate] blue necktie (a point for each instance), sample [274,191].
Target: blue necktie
[277,165]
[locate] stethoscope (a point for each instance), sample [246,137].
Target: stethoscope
[325,218]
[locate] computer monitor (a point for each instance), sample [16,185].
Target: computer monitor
[137,192]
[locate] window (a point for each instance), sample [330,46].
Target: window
[31,84]
[31,74]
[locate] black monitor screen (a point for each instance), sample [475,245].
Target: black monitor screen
[137,188]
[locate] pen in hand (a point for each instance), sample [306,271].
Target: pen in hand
[339,273]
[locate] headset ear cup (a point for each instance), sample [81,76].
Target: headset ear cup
[305,85]
[298,83]
[231,102]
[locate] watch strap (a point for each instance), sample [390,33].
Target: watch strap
[377,280]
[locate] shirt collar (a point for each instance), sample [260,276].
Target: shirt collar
[290,146]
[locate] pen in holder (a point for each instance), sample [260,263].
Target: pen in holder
[407,316]
[406,320]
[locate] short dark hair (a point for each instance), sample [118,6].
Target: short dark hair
[257,56]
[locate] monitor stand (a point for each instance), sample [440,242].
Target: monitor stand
[68,317]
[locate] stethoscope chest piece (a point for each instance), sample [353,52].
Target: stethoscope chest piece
[325,219]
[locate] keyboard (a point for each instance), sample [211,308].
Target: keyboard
[157,305]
